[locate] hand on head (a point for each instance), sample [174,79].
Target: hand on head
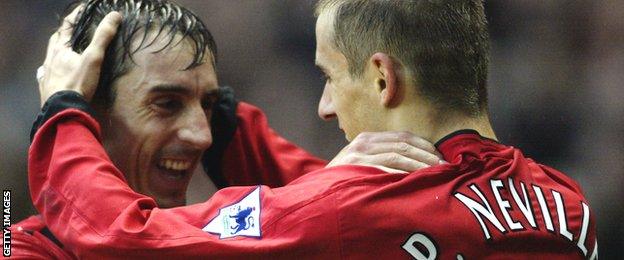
[64,69]
[397,152]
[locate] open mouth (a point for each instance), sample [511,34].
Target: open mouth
[173,169]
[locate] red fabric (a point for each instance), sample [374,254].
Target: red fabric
[28,243]
[346,211]
[257,155]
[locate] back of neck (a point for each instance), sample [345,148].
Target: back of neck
[434,126]
[480,124]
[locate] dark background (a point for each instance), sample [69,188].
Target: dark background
[555,85]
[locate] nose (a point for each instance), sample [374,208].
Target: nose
[326,106]
[195,129]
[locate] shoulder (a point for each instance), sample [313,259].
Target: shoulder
[320,189]
[231,108]
[248,114]
[562,178]
[307,191]
[334,178]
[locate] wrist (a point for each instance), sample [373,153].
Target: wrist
[58,102]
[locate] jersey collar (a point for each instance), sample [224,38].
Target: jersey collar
[466,141]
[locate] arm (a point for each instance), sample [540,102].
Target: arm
[89,207]
[65,158]
[246,151]
[34,246]
[30,239]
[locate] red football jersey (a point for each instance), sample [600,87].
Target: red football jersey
[254,155]
[29,242]
[258,155]
[488,202]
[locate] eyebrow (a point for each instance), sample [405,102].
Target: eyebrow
[170,89]
[177,89]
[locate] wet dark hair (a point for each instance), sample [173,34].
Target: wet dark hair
[140,17]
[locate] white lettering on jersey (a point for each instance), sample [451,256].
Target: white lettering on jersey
[594,255]
[563,223]
[477,208]
[504,205]
[544,208]
[583,236]
[425,243]
[525,207]
[482,210]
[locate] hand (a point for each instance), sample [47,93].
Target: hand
[64,69]
[397,152]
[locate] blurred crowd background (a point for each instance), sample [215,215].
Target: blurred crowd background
[556,75]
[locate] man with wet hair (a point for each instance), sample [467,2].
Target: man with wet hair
[161,112]
[417,66]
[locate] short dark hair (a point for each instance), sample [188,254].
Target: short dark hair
[445,43]
[140,17]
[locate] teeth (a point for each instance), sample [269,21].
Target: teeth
[176,165]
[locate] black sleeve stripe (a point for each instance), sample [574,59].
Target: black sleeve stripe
[224,123]
[57,103]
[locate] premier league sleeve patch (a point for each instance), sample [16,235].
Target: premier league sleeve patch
[239,219]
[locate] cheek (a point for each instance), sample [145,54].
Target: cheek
[355,107]
[150,137]
[348,99]
[132,143]
[341,95]
[142,152]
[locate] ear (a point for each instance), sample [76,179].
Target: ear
[385,78]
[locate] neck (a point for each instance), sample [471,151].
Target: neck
[459,122]
[433,125]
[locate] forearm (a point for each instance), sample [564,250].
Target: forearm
[92,211]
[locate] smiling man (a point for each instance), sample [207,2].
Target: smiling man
[159,122]
[162,113]
[418,66]
[156,99]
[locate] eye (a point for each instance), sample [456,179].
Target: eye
[167,104]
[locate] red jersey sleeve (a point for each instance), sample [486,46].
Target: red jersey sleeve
[489,202]
[258,155]
[28,242]
[87,204]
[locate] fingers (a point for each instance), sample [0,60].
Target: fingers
[404,143]
[50,49]
[398,136]
[65,30]
[63,34]
[104,34]
[401,148]
[400,151]
[397,162]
